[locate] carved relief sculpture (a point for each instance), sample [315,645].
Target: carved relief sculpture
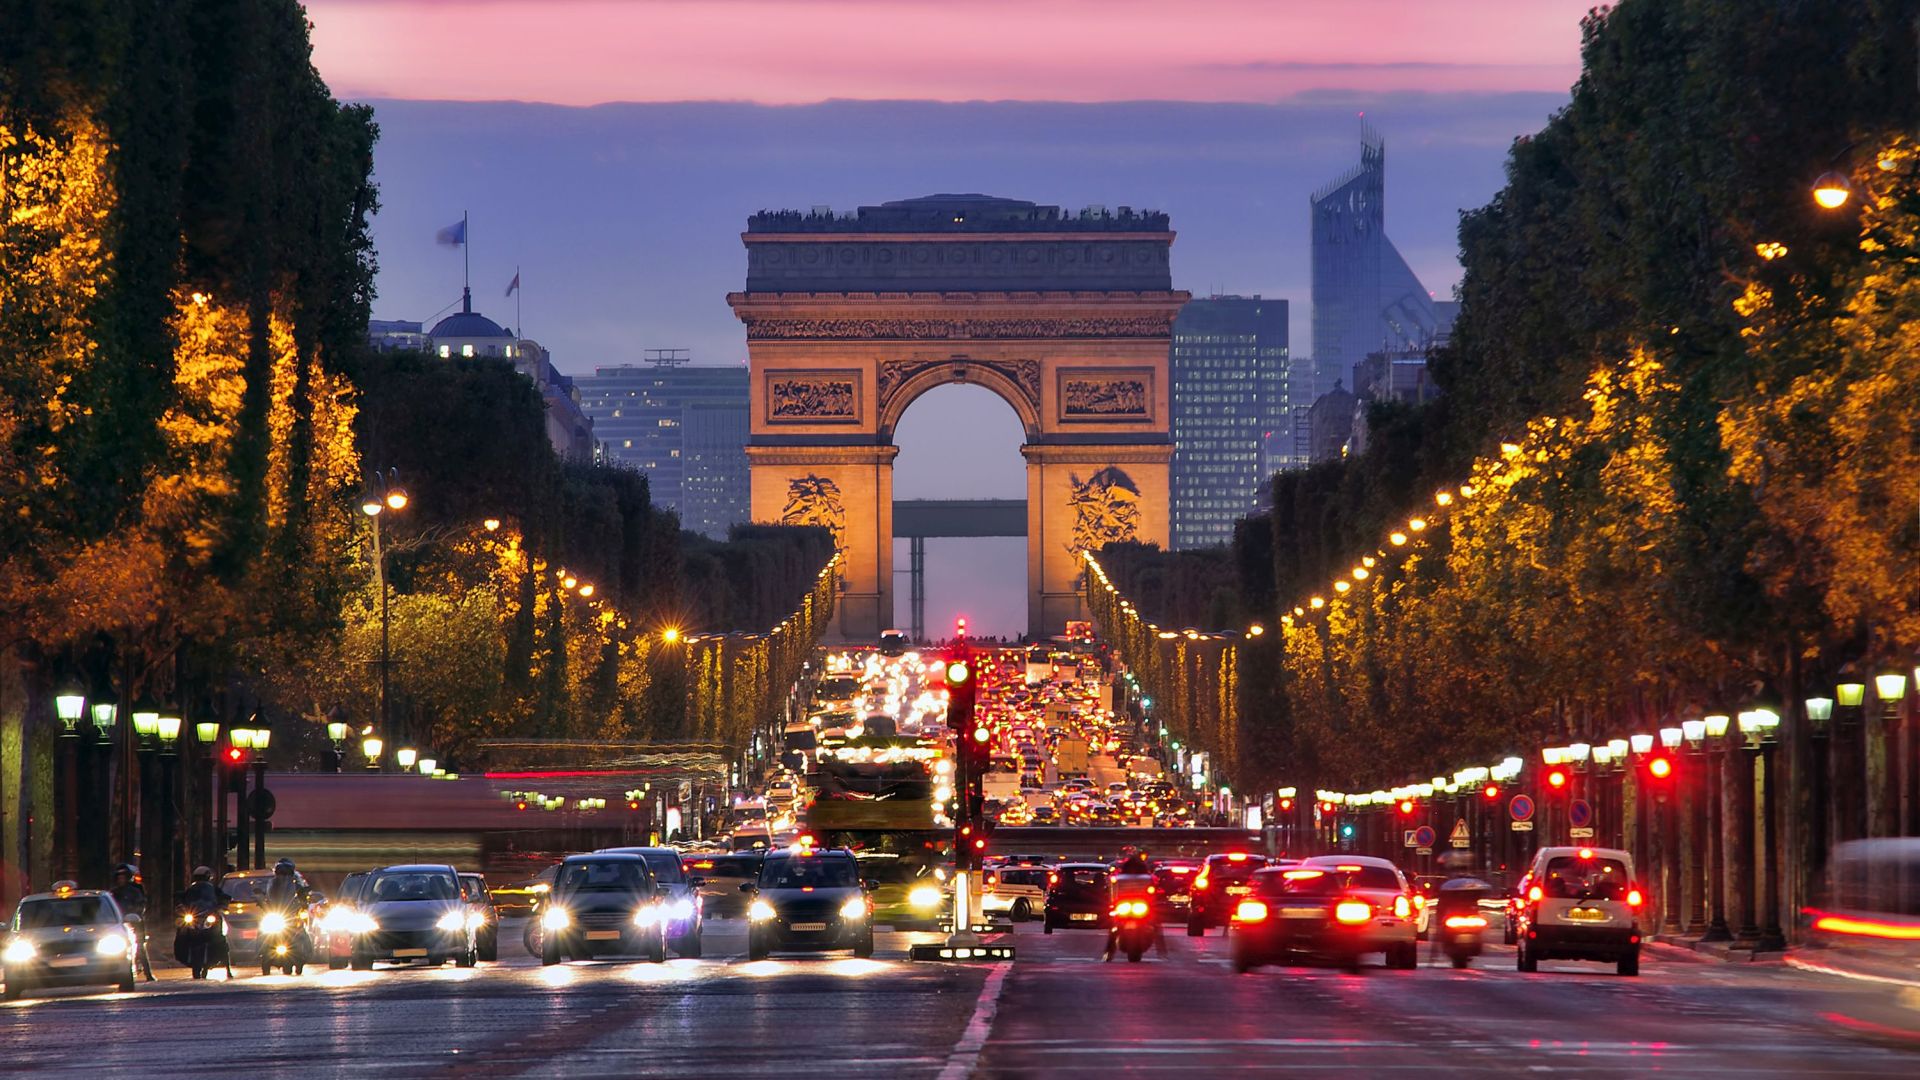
[1098,395]
[891,329]
[812,397]
[815,500]
[1024,374]
[1106,510]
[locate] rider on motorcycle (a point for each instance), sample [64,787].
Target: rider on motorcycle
[287,894]
[202,898]
[203,892]
[1133,880]
[132,899]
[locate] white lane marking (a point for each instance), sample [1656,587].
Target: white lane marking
[966,1052]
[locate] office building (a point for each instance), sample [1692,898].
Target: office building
[1365,297]
[684,426]
[1232,390]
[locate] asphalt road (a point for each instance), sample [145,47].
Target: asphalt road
[1058,1011]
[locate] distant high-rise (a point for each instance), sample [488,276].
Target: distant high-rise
[1365,297]
[684,426]
[1232,388]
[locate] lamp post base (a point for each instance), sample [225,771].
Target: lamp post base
[1717,931]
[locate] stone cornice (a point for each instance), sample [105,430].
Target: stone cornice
[951,238]
[821,455]
[856,316]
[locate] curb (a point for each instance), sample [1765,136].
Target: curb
[1715,952]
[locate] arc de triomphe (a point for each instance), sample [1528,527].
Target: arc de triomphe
[1067,316]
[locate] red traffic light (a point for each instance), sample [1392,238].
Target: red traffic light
[981,734]
[520,805]
[234,753]
[1286,804]
[1406,806]
[1326,808]
[1557,779]
[1660,768]
[1492,792]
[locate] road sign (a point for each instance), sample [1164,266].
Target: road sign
[261,804]
[1423,836]
[1521,808]
[1460,837]
[1423,851]
[1578,833]
[1580,815]
[1521,826]
[1406,839]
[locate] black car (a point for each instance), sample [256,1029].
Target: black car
[1079,895]
[604,904]
[413,912]
[809,901]
[1223,881]
[680,895]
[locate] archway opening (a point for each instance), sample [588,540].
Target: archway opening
[961,442]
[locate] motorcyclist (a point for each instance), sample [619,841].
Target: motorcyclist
[132,898]
[1133,880]
[203,893]
[286,894]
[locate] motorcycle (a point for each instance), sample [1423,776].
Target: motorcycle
[1459,921]
[1135,930]
[285,942]
[200,941]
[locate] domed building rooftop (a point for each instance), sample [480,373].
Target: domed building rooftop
[467,324]
[468,333]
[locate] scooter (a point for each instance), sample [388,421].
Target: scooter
[1134,931]
[1460,925]
[201,941]
[285,943]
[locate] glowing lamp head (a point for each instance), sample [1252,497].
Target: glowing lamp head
[1832,190]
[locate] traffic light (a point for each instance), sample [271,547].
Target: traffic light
[1660,767]
[1492,792]
[1406,807]
[1557,779]
[1286,805]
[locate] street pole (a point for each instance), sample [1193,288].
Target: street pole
[1772,935]
[1742,856]
[1717,928]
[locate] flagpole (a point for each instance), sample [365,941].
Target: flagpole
[519,326]
[466,250]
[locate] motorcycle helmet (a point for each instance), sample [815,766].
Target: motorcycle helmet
[132,872]
[202,873]
[284,866]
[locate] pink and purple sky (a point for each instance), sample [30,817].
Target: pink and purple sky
[586,52]
[622,220]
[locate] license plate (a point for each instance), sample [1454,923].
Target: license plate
[1239,890]
[409,952]
[1180,898]
[805,926]
[249,933]
[67,961]
[1301,913]
[1088,917]
[1588,915]
[603,935]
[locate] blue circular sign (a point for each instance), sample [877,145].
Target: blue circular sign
[1520,807]
[1579,814]
[1423,836]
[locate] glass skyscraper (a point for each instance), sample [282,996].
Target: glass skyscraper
[1233,388]
[1365,297]
[685,427]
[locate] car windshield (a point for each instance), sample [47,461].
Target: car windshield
[245,888]
[743,867]
[398,888]
[1083,879]
[601,876]
[1234,869]
[894,871]
[71,911]
[1328,880]
[1596,878]
[803,872]
[664,865]
[1024,877]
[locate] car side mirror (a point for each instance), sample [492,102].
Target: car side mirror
[869,884]
[696,881]
[747,887]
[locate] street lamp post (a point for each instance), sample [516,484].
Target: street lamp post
[1849,768]
[262,736]
[1715,726]
[1667,819]
[1747,819]
[68,705]
[206,733]
[1883,757]
[1772,936]
[1819,712]
[383,495]
[1694,797]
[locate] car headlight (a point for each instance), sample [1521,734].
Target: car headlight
[680,910]
[452,920]
[646,916]
[273,923]
[854,908]
[555,918]
[926,896]
[111,945]
[19,951]
[760,911]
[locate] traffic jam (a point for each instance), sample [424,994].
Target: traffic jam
[1047,798]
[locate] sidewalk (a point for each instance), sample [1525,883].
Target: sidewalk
[1728,952]
[1844,963]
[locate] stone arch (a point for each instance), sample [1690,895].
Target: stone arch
[1016,382]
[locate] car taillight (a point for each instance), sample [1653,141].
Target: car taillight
[1352,912]
[1250,911]
[1466,922]
[1633,898]
[1202,881]
[1053,878]
[1534,893]
[1401,908]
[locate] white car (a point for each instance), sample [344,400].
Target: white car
[1581,903]
[69,937]
[1015,891]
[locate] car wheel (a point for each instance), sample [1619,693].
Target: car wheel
[1196,928]
[266,969]
[490,946]
[1046,926]
[1630,965]
[1022,911]
[1134,955]
[299,969]
[657,949]
[363,963]
[689,947]
[127,982]
[1461,962]
[756,950]
[864,949]
[334,963]
[1525,958]
[549,952]
[468,957]
[1407,958]
[1243,961]
[16,985]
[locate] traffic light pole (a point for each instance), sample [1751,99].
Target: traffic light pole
[960,701]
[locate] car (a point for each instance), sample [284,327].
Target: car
[1581,903]
[680,885]
[1219,886]
[721,876]
[521,897]
[1045,815]
[69,937]
[413,911]
[245,889]
[1337,906]
[1079,896]
[1015,891]
[480,901]
[809,900]
[603,904]
[1173,884]
[783,789]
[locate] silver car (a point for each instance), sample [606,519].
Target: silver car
[69,937]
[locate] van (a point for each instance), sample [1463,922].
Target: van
[1581,903]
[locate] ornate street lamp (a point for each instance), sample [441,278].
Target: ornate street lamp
[146,725]
[104,715]
[1832,190]
[169,731]
[68,705]
[1642,744]
[1670,737]
[371,745]
[406,756]
[1694,732]
[206,732]
[427,766]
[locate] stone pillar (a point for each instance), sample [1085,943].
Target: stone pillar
[1083,496]
[848,489]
